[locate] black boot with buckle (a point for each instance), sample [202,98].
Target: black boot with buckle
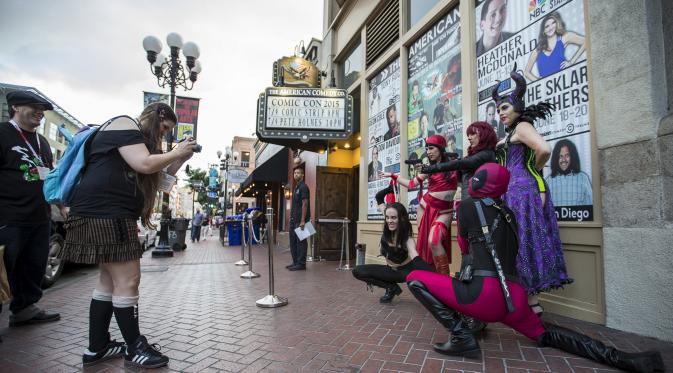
[462,342]
[585,346]
[391,292]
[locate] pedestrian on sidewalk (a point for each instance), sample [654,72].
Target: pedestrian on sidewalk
[118,186]
[25,160]
[300,213]
[196,226]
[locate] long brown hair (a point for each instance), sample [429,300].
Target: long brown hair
[150,126]
[543,43]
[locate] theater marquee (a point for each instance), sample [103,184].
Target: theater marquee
[304,114]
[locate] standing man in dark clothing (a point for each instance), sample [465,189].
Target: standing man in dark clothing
[300,213]
[25,160]
[196,226]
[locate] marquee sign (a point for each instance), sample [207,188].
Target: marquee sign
[304,114]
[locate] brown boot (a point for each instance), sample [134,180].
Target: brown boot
[442,264]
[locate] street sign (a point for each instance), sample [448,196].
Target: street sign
[237,175]
[211,194]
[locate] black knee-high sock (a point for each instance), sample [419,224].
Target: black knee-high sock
[127,319]
[100,314]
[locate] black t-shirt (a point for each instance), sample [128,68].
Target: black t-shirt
[21,197]
[109,187]
[504,237]
[301,193]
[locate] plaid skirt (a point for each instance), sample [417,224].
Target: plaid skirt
[100,240]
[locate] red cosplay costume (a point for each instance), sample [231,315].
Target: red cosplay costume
[434,207]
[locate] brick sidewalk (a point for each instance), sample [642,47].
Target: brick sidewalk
[204,315]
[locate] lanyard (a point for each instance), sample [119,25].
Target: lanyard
[36,154]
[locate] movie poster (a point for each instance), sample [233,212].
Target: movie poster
[187,110]
[546,41]
[384,132]
[435,99]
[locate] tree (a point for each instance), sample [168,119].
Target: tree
[197,175]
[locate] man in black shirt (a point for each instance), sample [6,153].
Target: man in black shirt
[25,160]
[300,213]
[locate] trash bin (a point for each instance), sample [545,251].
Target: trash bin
[234,228]
[255,227]
[177,233]
[360,252]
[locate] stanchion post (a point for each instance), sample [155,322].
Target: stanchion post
[242,262]
[271,300]
[345,246]
[249,273]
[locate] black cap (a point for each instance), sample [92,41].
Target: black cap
[19,98]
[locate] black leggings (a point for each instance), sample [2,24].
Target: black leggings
[385,276]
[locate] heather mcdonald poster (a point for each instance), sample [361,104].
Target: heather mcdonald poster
[384,132]
[546,41]
[435,98]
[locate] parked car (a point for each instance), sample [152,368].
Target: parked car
[147,237]
[55,265]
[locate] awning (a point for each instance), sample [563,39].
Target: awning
[273,170]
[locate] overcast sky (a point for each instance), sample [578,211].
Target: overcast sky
[87,55]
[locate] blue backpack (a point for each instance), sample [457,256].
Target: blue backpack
[60,183]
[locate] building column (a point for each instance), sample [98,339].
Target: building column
[634,132]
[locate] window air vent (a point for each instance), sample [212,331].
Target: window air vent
[382,31]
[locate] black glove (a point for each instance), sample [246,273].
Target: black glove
[381,195]
[430,168]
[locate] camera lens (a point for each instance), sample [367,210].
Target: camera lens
[197,149]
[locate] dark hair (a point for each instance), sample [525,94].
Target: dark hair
[490,104]
[150,127]
[11,111]
[543,43]
[487,137]
[404,231]
[415,84]
[573,167]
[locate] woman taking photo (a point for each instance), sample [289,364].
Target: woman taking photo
[436,207]
[524,152]
[118,186]
[399,249]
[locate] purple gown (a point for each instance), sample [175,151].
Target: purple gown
[540,261]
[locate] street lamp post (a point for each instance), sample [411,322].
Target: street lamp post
[195,185]
[229,159]
[170,72]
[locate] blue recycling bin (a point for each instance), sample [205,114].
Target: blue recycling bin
[255,227]
[234,230]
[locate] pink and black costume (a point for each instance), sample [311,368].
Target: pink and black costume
[488,288]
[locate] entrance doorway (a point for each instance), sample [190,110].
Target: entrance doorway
[333,201]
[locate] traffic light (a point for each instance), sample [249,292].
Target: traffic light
[223,164]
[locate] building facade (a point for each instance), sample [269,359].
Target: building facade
[422,67]
[245,147]
[52,119]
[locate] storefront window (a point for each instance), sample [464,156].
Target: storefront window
[383,123]
[351,67]
[550,43]
[435,93]
[419,8]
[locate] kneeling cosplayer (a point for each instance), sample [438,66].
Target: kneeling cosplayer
[488,289]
